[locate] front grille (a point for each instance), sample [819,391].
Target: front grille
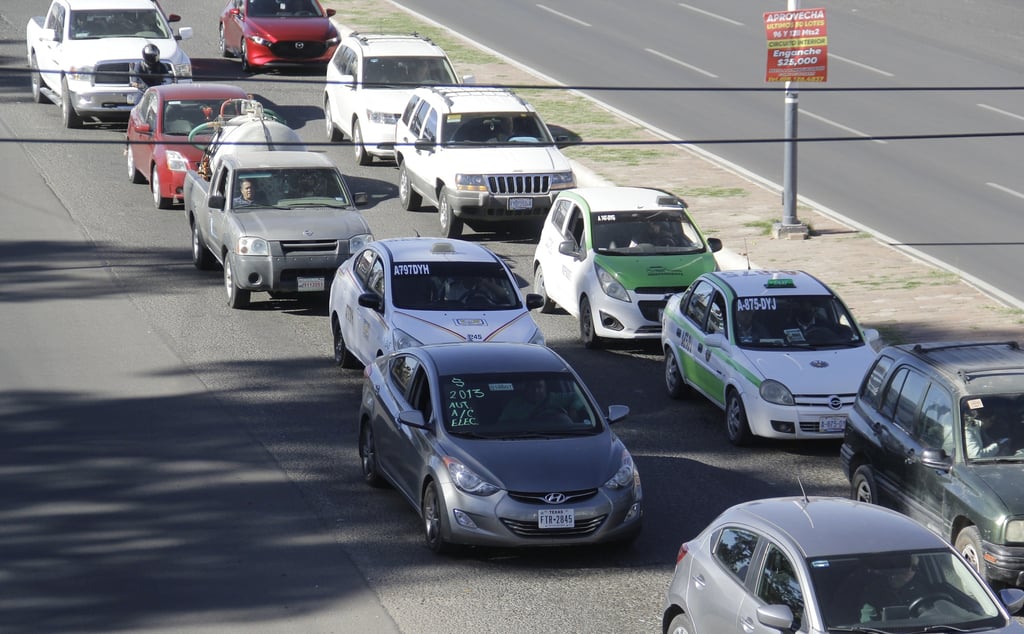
[299,50]
[659,290]
[571,497]
[309,247]
[519,184]
[530,529]
[649,309]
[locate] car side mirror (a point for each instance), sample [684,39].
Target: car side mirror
[562,141]
[617,413]
[424,146]
[1012,598]
[173,17]
[534,300]
[47,35]
[936,459]
[360,198]
[715,340]
[184,33]
[715,244]
[413,418]
[143,128]
[469,79]
[371,300]
[779,617]
[568,247]
[215,201]
[331,12]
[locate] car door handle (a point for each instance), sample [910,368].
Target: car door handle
[699,581]
[747,623]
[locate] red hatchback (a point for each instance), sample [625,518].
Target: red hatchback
[276,33]
[158,131]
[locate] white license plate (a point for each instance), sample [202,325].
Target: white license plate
[831,423]
[556,518]
[520,203]
[310,284]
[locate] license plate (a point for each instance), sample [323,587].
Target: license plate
[831,423]
[520,203]
[310,284]
[556,518]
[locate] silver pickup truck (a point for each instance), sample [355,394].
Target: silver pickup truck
[277,221]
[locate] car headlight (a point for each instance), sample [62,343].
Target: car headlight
[563,180]
[538,337]
[262,41]
[625,476]
[385,118]
[467,481]
[81,73]
[774,392]
[359,241]
[183,70]
[403,339]
[176,162]
[248,245]
[1015,531]
[610,285]
[471,182]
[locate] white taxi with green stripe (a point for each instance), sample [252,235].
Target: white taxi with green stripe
[778,351]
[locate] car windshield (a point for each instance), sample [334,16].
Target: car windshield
[993,427]
[452,286]
[98,24]
[666,232]
[292,189]
[404,72]
[903,591]
[494,128]
[517,406]
[181,116]
[793,321]
[284,9]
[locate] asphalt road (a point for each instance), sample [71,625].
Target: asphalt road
[956,200]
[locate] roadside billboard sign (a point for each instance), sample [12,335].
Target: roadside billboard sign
[797,45]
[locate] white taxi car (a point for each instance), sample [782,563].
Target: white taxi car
[777,350]
[405,292]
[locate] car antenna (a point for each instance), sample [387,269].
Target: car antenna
[746,253]
[802,491]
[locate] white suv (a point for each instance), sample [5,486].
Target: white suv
[482,156]
[369,81]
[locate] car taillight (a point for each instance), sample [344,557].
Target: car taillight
[683,549]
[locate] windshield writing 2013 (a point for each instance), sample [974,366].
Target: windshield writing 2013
[461,412]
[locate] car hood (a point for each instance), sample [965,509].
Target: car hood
[826,371]
[1004,480]
[544,465]
[119,48]
[313,28]
[656,270]
[438,326]
[320,224]
[512,160]
[391,100]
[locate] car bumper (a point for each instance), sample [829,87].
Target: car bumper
[802,421]
[283,273]
[110,101]
[283,55]
[638,319]
[1004,564]
[488,207]
[378,138]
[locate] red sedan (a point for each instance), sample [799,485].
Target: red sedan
[276,33]
[158,130]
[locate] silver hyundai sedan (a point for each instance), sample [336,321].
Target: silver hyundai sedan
[820,565]
[497,444]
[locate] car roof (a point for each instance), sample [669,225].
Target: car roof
[1000,363]
[77,5]
[394,44]
[459,99]
[194,91]
[425,249]
[255,159]
[602,199]
[825,526]
[758,282]
[481,358]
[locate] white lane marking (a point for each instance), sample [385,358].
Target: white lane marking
[562,15]
[839,125]
[864,66]
[1006,190]
[681,63]
[711,15]
[994,109]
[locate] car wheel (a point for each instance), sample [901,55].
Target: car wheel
[736,425]
[862,485]
[968,544]
[681,624]
[434,516]
[343,357]
[202,259]
[333,134]
[161,201]
[222,46]
[237,297]
[548,306]
[243,54]
[134,175]
[37,83]
[407,196]
[588,333]
[675,382]
[362,157]
[451,226]
[68,115]
[368,457]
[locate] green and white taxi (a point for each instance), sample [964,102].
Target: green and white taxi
[612,256]
[777,350]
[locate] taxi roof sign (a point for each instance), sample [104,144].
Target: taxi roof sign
[780,282]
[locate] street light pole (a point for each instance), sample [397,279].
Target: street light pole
[790,227]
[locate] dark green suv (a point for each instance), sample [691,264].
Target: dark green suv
[937,432]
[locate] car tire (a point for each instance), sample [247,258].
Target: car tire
[680,624]
[588,332]
[736,425]
[159,200]
[237,297]
[37,83]
[968,544]
[343,357]
[548,306]
[862,485]
[434,518]
[333,134]
[368,457]
[451,225]
[222,46]
[407,196]
[243,54]
[69,117]
[675,382]
[202,259]
[362,156]
[134,175]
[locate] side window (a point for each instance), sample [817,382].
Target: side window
[574,228]
[417,119]
[375,279]
[429,132]
[735,549]
[716,316]
[409,109]
[220,184]
[871,389]
[892,393]
[697,306]
[779,584]
[150,109]
[419,394]
[363,264]
[402,370]
[935,430]
[909,404]
[558,213]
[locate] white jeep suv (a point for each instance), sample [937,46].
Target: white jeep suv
[369,81]
[482,156]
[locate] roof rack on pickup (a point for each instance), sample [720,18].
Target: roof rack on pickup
[450,92]
[364,38]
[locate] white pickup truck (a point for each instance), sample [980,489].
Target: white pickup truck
[83,52]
